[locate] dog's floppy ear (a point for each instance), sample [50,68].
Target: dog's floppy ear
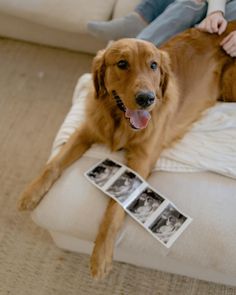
[165,71]
[99,69]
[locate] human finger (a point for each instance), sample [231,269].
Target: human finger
[232,51]
[226,39]
[215,25]
[222,27]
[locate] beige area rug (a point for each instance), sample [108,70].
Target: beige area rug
[36,86]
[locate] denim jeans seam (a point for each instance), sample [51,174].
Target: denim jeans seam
[192,4]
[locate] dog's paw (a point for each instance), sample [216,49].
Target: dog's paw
[100,263]
[33,194]
[27,201]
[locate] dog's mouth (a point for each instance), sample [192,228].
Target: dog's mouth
[138,119]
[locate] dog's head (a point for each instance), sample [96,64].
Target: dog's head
[135,74]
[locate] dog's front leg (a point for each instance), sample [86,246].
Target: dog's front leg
[101,259]
[78,143]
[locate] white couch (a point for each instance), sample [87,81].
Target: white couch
[57,22]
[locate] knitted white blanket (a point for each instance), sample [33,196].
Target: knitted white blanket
[209,145]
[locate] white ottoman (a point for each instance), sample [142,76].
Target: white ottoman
[73,209]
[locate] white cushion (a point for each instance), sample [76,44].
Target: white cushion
[69,15]
[73,208]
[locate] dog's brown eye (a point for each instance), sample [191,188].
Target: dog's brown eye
[123,64]
[153,65]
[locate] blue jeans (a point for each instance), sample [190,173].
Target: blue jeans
[177,17]
[151,9]
[230,11]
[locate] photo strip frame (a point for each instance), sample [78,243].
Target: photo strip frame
[157,214]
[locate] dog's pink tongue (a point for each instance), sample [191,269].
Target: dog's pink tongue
[139,118]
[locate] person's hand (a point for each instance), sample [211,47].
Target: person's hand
[229,44]
[213,23]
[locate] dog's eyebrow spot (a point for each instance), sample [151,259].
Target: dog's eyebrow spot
[118,54]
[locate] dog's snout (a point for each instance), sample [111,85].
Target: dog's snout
[145,98]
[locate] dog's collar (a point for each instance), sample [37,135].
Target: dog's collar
[119,102]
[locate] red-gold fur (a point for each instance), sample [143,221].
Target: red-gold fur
[193,73]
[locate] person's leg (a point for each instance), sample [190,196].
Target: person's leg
[151,9]
[230,11]
[177,17]
[130,25]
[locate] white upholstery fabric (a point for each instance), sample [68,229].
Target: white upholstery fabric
[19,28]
[73,208]
[70,15]
[58,23]
[123,7]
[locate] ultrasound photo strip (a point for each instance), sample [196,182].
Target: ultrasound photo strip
[149,208]
[102,172]
[168,226]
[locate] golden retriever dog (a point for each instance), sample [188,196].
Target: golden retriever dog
[143,100]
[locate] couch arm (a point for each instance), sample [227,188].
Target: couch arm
[71,15]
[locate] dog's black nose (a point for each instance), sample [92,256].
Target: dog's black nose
[145,98]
